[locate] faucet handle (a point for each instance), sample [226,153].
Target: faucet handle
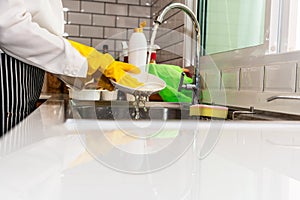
[181,81]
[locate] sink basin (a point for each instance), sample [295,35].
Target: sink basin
[124,110]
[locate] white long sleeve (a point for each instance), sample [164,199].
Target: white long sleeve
[32,32]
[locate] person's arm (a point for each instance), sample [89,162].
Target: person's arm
[32,44]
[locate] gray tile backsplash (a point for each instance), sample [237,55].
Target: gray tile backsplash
[116,9]
[72,5]
[92,7]
[170,35]
[212,79]
[99,22]
[115,33]
[90,31]
[127,22]
[280,77]
[72,29]
[94,22]
[146,2]
[242,86]
[139,11]
[251,78]
[79,18]
[111,44]
[230,78]
[104,20]
[136,2]
[107,1]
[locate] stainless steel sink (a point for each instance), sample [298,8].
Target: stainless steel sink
[124,110]
[260,115]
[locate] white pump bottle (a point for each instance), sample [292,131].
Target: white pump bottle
[137,48]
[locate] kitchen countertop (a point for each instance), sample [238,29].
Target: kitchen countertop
[46,157]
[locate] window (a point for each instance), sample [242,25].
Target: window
[232,24]
[236,24]
[284,26]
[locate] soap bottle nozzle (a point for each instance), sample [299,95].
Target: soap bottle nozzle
[142,25]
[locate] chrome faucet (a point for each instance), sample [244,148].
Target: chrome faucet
[272,98]
[195,87]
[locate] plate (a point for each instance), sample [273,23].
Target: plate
[152,84]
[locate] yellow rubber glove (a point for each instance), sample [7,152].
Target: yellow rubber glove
[101,83]
[117,71]
[107,65]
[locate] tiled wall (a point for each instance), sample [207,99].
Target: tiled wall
[245,86]
[170,36]
[105,22]
[109,22]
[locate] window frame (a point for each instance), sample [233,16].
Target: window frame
[257,50]
[255,55]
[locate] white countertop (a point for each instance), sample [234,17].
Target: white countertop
[46,157]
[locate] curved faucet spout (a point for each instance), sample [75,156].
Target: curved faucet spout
[182,7]
[196,88]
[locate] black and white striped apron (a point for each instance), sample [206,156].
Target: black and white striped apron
[20,87]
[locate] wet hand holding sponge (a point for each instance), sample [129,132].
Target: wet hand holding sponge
[107,65]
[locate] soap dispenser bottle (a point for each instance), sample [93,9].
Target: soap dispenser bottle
[137,48]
